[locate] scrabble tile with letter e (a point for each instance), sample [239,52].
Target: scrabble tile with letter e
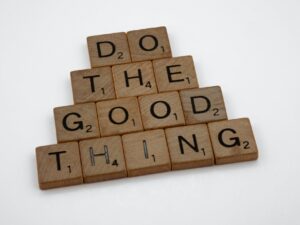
[202,105]
[76,122]
[147,44]
[189,146]
[108,49]
[175,73]
[146,152]
[102,159]
[134,79]
[92,85]
[233,141]
[58,165]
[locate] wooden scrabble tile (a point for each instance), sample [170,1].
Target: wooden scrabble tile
[233,141]
[108,49]
[202,105]
[58,165]
[92,85]
[189,146]
[146,152]
[119,116]
[173,74]
[134,79]
[161,110]
[102,159]
[76,122]
[147,44]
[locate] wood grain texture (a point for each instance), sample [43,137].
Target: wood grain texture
[161,110]
[102,159]
[202,105]
[119,116]
[233,141]
[176,73]
[146,152]
[134,79]
[58,165]
[189,146]
[148,44]
[92,85]
[76,122]
[108,49]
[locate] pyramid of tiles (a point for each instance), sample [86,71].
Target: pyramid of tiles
[138,111]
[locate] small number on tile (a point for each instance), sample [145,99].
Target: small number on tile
[153,156]
[115,163]
[120,55]
[148,84]
[175,115]
[88,128]
[69,169]
[203,150]
[216,112]
[246,144]
[188,80]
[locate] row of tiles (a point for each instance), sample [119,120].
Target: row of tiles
[132,114]
[133,46]
[134,79]
[145,152]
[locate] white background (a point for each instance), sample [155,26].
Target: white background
[250,48]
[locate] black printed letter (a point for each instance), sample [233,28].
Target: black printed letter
[194,147]
[170,73]
[125,117]
[154,40]
[92,81]
[57,155]
[158,116]
[113,48]
[139,76]
[80,123]
[208,105]
[236,140]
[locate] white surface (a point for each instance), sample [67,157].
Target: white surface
[250,48]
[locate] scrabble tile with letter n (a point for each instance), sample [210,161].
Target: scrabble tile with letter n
[139,111]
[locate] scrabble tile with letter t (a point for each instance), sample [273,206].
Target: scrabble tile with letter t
[58,165]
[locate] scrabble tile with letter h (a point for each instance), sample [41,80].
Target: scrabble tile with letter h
[138,110]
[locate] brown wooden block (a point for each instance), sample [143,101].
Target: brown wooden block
[146,152]
[173,74]
[76,122]
[58,165]
[134,79]
[233,141]
[119,116]
[147,44]
[161,110]
[203,105]
[189,146]
[92,85]
[102,159]
[108,49]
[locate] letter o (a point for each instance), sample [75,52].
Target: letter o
[148,49]
[118,122]
[158,116]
